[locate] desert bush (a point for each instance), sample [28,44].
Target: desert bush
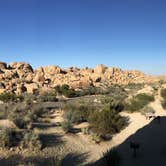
[86,130]
[161,82]
[66,91]
[163,93]
[163,103]
[66,126]
[3,112]
[7,97]
[23,115]
[9,137]
[96,138]
[31,140]
[73,116]
[138,102]
[112,158]
[134,86]
[106,122]
[147,109]
[77,113]
[47,97]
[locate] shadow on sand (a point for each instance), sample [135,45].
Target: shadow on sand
[152,146]
[51,140]
[72,159]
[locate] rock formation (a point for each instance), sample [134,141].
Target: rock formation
[20,77]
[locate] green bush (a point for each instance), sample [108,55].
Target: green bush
[163,103]
[163,93]
[106,122]
[138,102]
[23,115]
[147,109]
[72,116]
[77,113]
[47,98]
[6,97]
[66,91]
[31,140]
[66,126]
[9,137]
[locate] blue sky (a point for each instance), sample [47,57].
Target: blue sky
[130,34]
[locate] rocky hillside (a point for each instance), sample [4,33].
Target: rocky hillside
[21,77]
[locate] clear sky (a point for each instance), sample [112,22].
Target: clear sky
[130,34]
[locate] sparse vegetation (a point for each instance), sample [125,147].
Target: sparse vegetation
[9,137]
[138,102]
[147,109]
[10,97]
[66,126]
[163,93]
[31,140]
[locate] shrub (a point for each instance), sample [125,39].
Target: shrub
[163,103]
[23,115]
[106,122]
[31,140]
[147,109]
[72,116]
[96,138]
[163,93]
[6,97]
[77,113]
[86,130]
[47,98]
[66,126]
[138,102]
[3,112]
[66,91]
[9,137]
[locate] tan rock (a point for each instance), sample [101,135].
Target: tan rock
[20,89]
[3,65]
[52,70]
[100,69]
[32,88]
[39,75]
[21,66]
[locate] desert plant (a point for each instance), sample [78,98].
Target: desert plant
[86,130]
[9,137]
[31,140]
[163,93]
[163,103]
[6,97]
[138,102]
[96,138]
[106,122]
[147,109]
[66,126]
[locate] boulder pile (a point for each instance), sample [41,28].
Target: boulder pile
[20,77]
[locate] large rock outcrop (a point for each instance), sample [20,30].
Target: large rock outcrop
[19,77]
